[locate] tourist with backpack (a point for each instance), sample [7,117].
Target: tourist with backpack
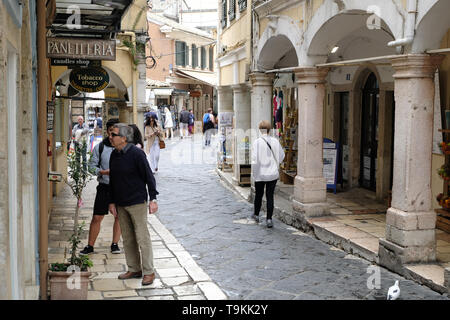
[191,122]
[99,163]
[208,126]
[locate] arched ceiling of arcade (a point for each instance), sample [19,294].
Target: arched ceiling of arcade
[432,25]
[277,52]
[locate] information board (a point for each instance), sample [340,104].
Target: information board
[330,163]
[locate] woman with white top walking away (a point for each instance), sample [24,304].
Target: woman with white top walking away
[153,133]
[267,154]
[168,123]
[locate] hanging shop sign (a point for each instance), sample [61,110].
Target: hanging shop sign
[92,49]
[89,79]
[75,63]
[195,94]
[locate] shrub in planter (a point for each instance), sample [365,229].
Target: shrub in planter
[69,280]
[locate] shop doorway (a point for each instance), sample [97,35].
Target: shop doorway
[369,133]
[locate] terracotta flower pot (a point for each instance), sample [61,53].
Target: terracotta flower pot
[63,288]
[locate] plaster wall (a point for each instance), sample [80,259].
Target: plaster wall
[161,45]
[18,41]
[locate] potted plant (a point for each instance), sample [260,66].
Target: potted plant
[69,280]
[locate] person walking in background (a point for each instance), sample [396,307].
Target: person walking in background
[137,137]
[184,123]
[99,163]
[153,133]
[80,133]
[168,123]
[132,183]
[267,154]
[208,126]
[191,122]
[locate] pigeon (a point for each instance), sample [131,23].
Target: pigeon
[393,292]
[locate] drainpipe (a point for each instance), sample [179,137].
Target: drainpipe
[133,77]
[42,147]
[410,26]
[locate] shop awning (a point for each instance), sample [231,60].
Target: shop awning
[98,18]
[206,78]
[162,91]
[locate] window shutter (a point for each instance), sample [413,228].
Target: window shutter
[194,56]
[203,58]
[180,53]
[211,58]
[232,12]
[224,14]
[186,51]
[242,5]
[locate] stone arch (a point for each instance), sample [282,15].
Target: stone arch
[333,21]
[433,23]
[114,82]
[280,40]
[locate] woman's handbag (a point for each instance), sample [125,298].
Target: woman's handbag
[162,144]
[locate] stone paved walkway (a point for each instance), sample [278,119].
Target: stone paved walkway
[178,275]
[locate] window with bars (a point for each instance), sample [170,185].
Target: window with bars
[203,57]
[232,11]
[223,19]
[242,5]
[194,56]
[180,53]
[211,58]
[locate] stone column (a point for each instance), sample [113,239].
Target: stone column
[261,100]
[310,197]
[242,125]
[411,221]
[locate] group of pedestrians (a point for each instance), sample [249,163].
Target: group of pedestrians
[126,188]
[125,168]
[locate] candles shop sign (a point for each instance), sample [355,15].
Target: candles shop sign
[89,79]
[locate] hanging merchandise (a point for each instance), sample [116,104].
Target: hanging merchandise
[279,114]
[275,107]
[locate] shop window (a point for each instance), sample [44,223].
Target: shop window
[242,5]
[194,56]
[211,58]
[203,57]
[223,19]
[232,12]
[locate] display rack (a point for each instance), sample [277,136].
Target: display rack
[288,140]
[443,214]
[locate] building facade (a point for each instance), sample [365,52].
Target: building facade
[372,76]
[183,74]
[18,159]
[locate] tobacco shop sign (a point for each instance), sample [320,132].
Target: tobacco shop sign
[89,79]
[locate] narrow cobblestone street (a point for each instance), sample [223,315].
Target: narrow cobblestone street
[207,248]
[250,261]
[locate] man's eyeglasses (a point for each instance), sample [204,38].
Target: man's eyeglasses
[115,134]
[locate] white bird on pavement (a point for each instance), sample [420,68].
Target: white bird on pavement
[394,291]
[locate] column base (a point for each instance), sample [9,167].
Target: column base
[234,181]
[309,210]
[394,257]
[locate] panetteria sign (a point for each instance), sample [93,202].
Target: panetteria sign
[89,79]
[92,49]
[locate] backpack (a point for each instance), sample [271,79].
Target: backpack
[206,118]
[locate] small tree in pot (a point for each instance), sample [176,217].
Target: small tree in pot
[69,281]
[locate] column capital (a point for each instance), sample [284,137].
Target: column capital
[223,89]
[312,75]
[261,79]
[241,87]
[416,65]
